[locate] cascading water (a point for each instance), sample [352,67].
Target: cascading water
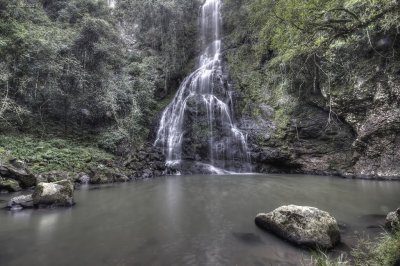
[198,125]
[111,3]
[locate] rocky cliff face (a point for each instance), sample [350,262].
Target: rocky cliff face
[370,104]
[338,113]
[353,132]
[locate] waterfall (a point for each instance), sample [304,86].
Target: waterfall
[111,3]
[198,125]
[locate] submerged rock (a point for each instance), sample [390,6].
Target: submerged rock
[20,202]
[9,185]
[304,226]
[393,220]
[58,194]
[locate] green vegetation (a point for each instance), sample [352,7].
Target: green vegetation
[319,27]
[53,154]
[384,252]
[285,53]
[78,65]
[321,259]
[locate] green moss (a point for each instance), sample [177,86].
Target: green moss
[282,121]
[9,185]
[53,154]
[248,77]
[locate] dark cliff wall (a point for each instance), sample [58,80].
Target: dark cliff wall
[333,110]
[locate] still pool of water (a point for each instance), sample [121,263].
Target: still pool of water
[187,220]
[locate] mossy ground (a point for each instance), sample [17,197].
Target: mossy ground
[52,154]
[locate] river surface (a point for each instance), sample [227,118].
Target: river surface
[187,220]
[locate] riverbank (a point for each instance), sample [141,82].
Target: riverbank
[51,159]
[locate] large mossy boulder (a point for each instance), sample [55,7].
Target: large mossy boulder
[303,226]
[393,220]
[9,185]
[57,194]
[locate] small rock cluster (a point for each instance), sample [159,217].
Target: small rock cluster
[55,189]
[57,194]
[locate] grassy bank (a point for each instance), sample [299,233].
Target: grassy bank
[384,252]
[52,154]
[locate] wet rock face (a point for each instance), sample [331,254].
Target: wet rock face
[195,144]
[146,163]
[377,148]
[210,136]
[320,146]
[57,194]
[310,144]
[349,127]
[360,139]
[303,226]
[371,105]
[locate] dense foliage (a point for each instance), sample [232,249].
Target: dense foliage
[290,50]
[73,65]
[52,154]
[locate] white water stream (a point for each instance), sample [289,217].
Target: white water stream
[111,3]
[206,87]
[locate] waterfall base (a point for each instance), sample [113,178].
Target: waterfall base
[193,167]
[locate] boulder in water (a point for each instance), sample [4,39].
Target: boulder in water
[304,226]
[20,202]
[393,220]
[58,194]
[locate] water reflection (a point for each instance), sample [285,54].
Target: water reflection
[47,224]
[187,220]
